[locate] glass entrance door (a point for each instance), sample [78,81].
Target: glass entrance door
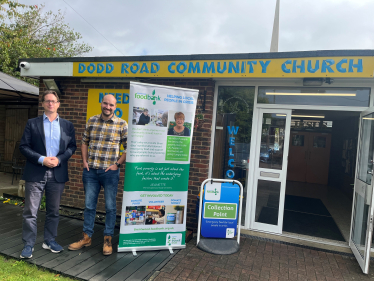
[272,144]
[362,212]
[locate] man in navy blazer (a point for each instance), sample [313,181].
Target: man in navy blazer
[48,142]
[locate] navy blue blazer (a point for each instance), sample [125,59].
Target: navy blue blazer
[33,146]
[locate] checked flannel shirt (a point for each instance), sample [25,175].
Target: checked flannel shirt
[104,139]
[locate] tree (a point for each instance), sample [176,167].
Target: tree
[29,32]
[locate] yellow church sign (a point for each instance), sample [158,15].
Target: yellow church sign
[261,68]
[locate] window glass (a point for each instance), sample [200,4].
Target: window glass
[315,96]
[272,141]
[297,140]
[365,158]
[267,202]
[319,142]
[233,135]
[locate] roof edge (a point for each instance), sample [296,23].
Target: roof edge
[267,55]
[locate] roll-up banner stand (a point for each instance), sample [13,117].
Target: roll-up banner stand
[154,208]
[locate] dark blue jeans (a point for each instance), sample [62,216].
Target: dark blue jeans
[33,196]
[92,181]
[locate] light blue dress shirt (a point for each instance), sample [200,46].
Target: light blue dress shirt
[52,135]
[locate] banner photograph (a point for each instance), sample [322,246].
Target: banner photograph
[161,122]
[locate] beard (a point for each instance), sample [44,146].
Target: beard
[107,114]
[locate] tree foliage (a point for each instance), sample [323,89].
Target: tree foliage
[29,32]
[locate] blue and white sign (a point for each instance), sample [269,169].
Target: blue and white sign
[220,210]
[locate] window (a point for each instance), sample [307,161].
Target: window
[233,124]
[315,96]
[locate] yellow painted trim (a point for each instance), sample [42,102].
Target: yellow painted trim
[360,67]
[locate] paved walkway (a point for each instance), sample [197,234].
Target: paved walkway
[261,260]
[256,260]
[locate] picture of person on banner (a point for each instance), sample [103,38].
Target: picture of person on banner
[179,129]
[161,217]
[101,165]
[144,118]
[149,219]
[164,119]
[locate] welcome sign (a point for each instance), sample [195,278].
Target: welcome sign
[154,210]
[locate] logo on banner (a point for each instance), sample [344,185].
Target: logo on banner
[230,232]
[213,191]
[173,239]
[142,96]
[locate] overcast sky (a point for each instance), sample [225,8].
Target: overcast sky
[165,27]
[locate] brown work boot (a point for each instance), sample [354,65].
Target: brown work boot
[107,248]
[84,242]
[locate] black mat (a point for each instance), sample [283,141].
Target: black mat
[306,216]
[305,205]
[312,225]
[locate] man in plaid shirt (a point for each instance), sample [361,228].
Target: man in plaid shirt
[103,136]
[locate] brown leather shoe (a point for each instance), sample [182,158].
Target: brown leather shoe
[107,248]
[84,242]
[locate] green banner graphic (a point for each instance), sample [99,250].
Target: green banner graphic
[156,177]
[177,148]
[152,239]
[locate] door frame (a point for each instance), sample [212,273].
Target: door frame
[365,260]
[283,173]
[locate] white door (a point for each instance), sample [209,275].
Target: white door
[362,210]
[272,144]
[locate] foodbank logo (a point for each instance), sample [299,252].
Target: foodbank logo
[215,191]
[168,242]
[230,232]
[173,239]
[152,97]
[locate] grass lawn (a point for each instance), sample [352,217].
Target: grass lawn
[18,270]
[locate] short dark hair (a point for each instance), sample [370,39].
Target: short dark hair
[162,212]
[178,115]
[50,92]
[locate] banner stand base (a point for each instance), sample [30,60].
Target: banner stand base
[151,248]
[134,253]
[219,246]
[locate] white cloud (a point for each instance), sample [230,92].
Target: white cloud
[167,27]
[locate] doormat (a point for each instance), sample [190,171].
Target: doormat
[305,205]
[305,220]
[312,225]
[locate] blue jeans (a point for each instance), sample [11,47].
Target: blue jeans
[92,181]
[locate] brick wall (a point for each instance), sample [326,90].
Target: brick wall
[73,108]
